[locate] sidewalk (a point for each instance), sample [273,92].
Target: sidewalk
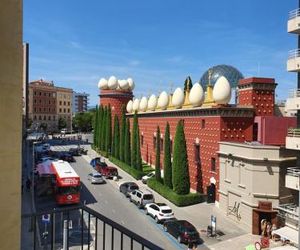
[235,237]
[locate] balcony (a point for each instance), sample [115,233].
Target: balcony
[293,25]
[293,101]
[292,141]
[293,62]
[292,178]
[78,228]
[290,213]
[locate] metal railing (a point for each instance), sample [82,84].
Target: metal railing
[295,171]
[293,132]
[289,210]
[293,93]
[294,53]
[294,13]
[80,227]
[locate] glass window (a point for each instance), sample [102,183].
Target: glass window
[64,110]
[34,92]
[44,118]
[68,110]
[40,93]
[34,109]
[34,100]
[68,103]
[59,110]
[59,102]
[64,103]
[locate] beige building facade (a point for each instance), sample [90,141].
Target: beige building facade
[64,105]
[11,79]
[252,182]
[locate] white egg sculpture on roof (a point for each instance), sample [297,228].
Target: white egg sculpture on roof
[112,82]
[143,104]
[130,83]
[163,100]
[123,84]
[102,84]
[129,106]
[196,96]
[136,104]
[152,102]
[178,98]
[222,91]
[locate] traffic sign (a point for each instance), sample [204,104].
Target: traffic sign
[46,218]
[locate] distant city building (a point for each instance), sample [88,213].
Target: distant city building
[48,103]
[80,102]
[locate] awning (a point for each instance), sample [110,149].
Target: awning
[287,233]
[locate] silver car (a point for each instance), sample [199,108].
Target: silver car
[96,178]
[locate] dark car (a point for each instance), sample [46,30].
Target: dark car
[65,156]
[128,187]
[182,230]
[74,152]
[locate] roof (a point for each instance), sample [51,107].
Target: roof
[63,169]
[261,80]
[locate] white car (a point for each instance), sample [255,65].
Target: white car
[148,176]
[159,211]
[96,178]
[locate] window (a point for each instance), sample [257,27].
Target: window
[68,103]
[34,92]
[40,93]
[49,95]
[197,153]
[40,109]
[40,117]
[34,118]
[142,140]
[59,102]
[64,110]
[64,103]
[40,101]
[68,110]
[59,110]
[49,118]
[49,102]
[34,100]
[44,109]
[54,118]
[44,118]
[213,164]
[161,144]
[49,109]
[54,95]
[171,146]
[203,123]
[34,109]
[154,142]
[45,94]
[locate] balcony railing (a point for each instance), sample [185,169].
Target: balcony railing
[79,228]
[293,171]
[294,13]
[294,53]
[293,132]
[293,93]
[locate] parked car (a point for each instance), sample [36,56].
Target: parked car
[108,172]
[74,152]
[159,211]
[65,156]
[141,197]
[127,187]
[96,178]
[182,230]
[148,176]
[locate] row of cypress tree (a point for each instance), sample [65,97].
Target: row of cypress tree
[125,146]
[176,175]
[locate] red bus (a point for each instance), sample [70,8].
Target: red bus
[67,183]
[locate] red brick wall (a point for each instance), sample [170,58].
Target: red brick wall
[208,129]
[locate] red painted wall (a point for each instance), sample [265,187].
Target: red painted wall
[272,130]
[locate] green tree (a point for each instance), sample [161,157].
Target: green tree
[180,171]
[188,84]
[122,134]
[127,148]
[134,141]
[103,129]
[157,156]
[83,121]
[100,125]
[167,158]
[139,165]
[108,132]
[116,138]
[96,127]
[62,123]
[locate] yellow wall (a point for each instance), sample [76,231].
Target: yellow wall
[11,122]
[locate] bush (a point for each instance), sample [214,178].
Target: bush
[130,170]
[177,199]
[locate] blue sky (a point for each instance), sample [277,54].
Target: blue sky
[157,43]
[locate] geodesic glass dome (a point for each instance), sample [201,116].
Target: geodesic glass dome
[232,74]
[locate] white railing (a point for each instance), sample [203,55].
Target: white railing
[294,13]
[289,210]
[293,132]
[294,53]
[295,171]
[293,93]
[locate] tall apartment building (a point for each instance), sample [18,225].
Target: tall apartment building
[80,102]
[48,104]
[64,105]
